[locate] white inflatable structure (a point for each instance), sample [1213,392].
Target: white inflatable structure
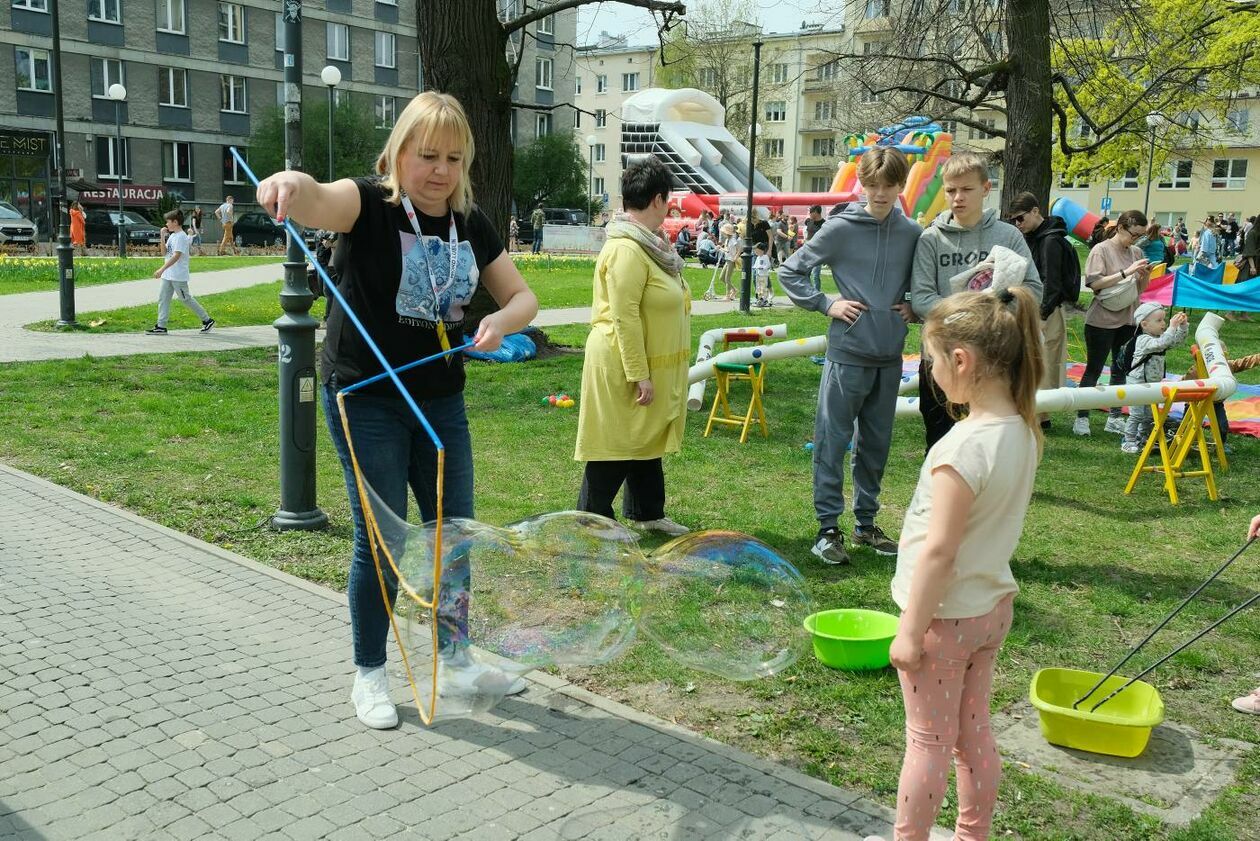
[686,129]
[695,394]
[1207,334]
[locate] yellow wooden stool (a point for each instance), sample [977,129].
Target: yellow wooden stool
[1172,456]
[724,372]
[731,338]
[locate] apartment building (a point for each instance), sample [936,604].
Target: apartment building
[197,74]
[547,75]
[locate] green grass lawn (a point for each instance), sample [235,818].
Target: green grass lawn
[190,441]
[39,274]
[560,286]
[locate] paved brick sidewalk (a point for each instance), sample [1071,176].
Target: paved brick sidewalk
[153,686]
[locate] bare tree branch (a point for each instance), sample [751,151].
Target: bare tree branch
[548,9]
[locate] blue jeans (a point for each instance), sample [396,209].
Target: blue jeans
[394,454]
[537,246]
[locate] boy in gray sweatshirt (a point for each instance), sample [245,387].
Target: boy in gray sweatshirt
[958,239]
[870,250]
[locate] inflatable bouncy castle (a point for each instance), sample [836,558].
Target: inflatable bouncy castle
[927,146]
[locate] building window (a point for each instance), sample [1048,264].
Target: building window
[974,133]
[233,94]
[820,184]
[108,11]
[31,5]
[106,72]
[338,42]
[173,86]
[776,181]
[601,84]
[385,112]
[547,26]
[825,110]
[577,118]
[868,96]
[706,77]
[170,16]
[824,147]
[33,69]
[598,151]
[542,73]
[233,172]
[1229,174]
[950,126]
[995,177]
[629,82]
[1176,175]
[776,112]
[778,74]
[1128,181]
[773,147]
[542,125]
[598,187]
[993,40]
[232,23]
[828,71]
[1081,182]
[601,118]
[877,9]
[577,84]
[177,161]
[385,49]
[1239,120]
[107,162]
[279,33]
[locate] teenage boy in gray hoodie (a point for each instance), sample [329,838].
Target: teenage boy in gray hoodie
[956,241]
[870,249]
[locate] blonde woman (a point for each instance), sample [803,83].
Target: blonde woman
[416,249]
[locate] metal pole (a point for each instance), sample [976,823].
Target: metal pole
[298,385]
[745,291]
[590,184]
[330,134]
[118,166]
[1150,165]
[65,251]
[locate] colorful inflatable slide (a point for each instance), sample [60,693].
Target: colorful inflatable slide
[924,142]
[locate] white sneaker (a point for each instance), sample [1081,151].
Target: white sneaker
[1080,426]
[1115,424]
[371,700]
[664,524]
[1131,447]
[469,677]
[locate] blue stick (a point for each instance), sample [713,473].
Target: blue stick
[389,371]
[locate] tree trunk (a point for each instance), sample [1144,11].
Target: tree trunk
[462,52]
[1028,157]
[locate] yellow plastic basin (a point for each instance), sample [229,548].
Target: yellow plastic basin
[1120,727]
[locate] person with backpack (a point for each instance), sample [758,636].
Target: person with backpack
[1142,360]
[1060,271]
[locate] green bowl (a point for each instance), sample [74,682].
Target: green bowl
[851,638]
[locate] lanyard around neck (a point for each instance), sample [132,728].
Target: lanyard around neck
[454,252]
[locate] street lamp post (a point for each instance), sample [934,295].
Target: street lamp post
[65,250]
[745,289]
[590,176]
[118,93]
[331,76]
[1152,122]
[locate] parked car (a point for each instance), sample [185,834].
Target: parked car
[257,228]
[102,228]
[15,229]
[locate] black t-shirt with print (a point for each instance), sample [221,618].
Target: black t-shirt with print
[385,280]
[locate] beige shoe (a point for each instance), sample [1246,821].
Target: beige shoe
[1249,704]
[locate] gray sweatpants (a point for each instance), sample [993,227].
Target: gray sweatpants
[854,404]
[179,289]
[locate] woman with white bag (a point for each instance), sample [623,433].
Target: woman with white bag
[1117,273]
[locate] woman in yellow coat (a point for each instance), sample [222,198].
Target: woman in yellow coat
[634,379]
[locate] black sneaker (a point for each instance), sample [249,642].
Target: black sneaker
[157,330]
[206,325]
[874,538]
[829,547]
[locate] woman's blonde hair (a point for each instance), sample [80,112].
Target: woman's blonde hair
[429,117]
[1004,331]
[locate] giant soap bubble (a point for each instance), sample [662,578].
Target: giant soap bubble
[571,589]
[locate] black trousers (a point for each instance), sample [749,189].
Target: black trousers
[1102,343]
[644,498]
[932,405]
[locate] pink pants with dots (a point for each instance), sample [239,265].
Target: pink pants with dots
[947,712]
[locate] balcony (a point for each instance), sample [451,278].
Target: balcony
[828,163]
[827,126]
[813,83]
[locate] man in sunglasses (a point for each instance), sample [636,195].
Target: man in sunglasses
[1060,269]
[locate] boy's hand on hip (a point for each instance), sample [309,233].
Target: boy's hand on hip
[904,310]
[847,311]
